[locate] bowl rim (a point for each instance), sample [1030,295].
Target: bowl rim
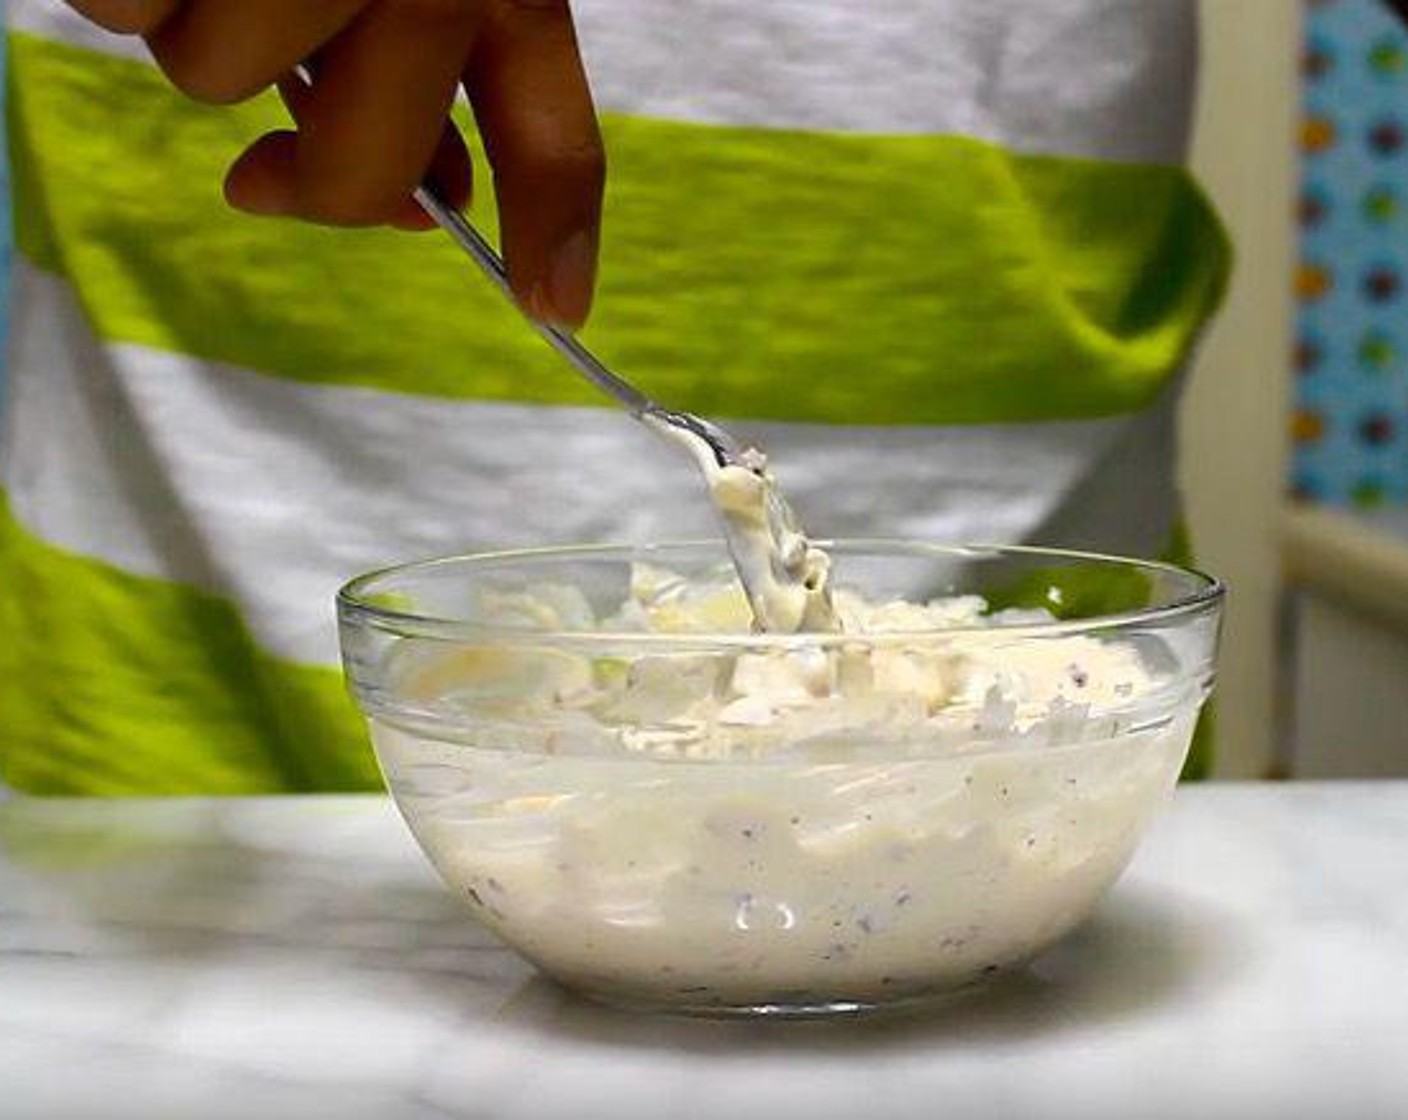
[353,606]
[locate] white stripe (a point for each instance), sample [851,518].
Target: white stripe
[1105,79]
[271,492]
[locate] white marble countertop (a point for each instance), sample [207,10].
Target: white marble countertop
[292,958]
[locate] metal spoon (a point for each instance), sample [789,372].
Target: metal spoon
[727,450]
[780,564]
[780,561]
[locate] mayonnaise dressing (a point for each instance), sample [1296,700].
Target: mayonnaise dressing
[785,576]
[864,821]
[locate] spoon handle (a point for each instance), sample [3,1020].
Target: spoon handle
[483,254]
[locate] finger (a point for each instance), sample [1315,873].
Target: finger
[377,110]
[227,50]
[450,176]
[264,179]
[534,110]
[126,17]
[450,173]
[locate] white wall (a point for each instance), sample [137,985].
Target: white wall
[1234,426]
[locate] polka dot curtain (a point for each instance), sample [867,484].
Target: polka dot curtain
[1350,424]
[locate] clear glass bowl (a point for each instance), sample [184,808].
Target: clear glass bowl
[712,821]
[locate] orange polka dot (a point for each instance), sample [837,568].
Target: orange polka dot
[1312,281]
[1317,134]
[1307,426]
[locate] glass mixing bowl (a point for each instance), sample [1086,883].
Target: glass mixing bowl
[662,810]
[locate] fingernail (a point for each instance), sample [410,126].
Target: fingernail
[566,296]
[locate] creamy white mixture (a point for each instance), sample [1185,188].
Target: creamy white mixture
[860,821]
[783,574]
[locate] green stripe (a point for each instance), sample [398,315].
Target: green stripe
[119,684]
[747,272]
[112,683]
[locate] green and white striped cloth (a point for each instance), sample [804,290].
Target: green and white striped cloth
[938,256]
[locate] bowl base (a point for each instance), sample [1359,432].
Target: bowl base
[810,1007]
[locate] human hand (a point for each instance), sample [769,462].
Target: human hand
[375,120]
